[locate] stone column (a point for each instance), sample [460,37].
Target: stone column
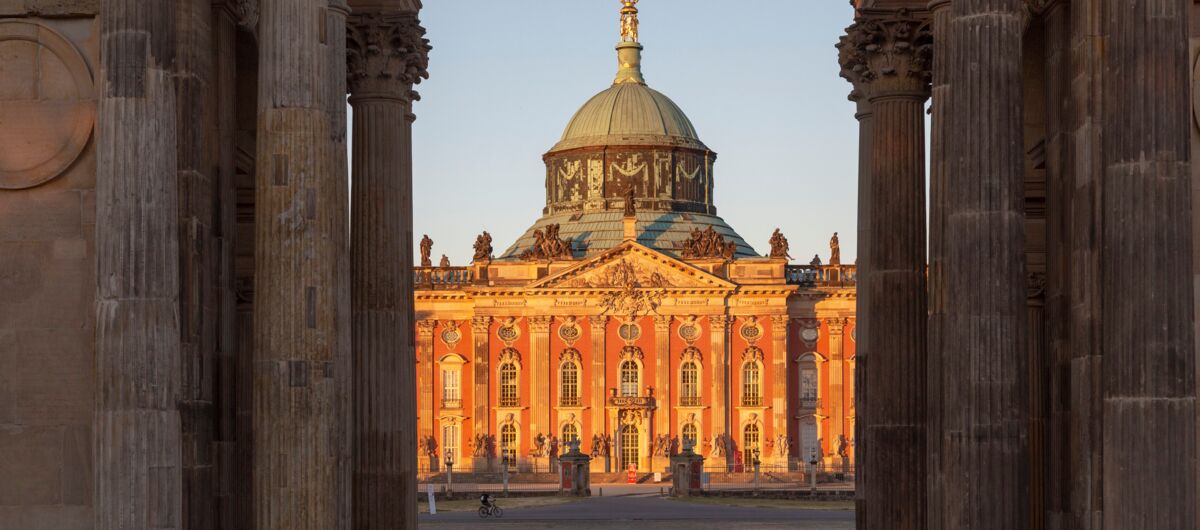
[598,326]
[662,375]
[298,416]
[137,422]
[983,338]
[386,56]
[481,336]
[938,161]
[539,368]
[780,390]
[424,380]
[721,394]
[1149,378]
[229,472]
[887,53]
[1039,371]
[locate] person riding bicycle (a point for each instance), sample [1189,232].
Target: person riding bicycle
[486,500]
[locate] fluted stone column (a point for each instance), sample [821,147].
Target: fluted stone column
[721,390]
[982,347]
[938,161]
[779,381]
[886,54]
[836,405]
[481,338]
[539,362]
[138,370]
[1149,396]
[598,326]
[386,56]
[297,412]
[662,375]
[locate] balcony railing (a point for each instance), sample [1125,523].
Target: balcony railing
[689,401]
[822,275]
[810,402]
[432,278]
[455,404]
[510,402]
[639,402]
[568,401]
[751,401]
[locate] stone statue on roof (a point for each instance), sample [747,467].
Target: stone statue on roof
[426,250]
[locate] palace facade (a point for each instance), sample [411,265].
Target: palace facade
[630,317]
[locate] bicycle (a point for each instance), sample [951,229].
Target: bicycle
[490,511]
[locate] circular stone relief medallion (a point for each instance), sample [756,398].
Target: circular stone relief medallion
[47,106]
[689,332]
[629,332]
[751,332]
[508,333]
[809,334]
[451,336]
[569,333]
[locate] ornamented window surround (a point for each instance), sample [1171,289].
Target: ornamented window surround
[691,355]
[568,357]
[451,362]
[508,356]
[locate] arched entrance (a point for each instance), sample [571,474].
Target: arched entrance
[630,441]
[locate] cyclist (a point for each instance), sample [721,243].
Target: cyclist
[486,500]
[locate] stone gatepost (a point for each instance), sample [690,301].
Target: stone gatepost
[575,472]
[686,469]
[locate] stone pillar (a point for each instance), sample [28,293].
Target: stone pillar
[228,471]
[137,421]
[539,368]
[381,263]
[1149,377]
[424,383]
[837,366]
[886,53]
[1039,371]
[983,337]
[662,376]
[938,161]
[576,472]
[780,390]
[298,416]
[686,469]
[599,394]
[721,389]
[481,337]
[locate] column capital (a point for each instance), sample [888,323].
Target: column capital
[1035,286]
[780,320]
[836,325]
[539,324]
[720,322]
[480,324]
[244,13]
[887,54]
[425,328]
[386,55]
[662,323]
[598,320]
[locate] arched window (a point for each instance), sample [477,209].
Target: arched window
[570,433]
[569,384]
[751,390]
[750,438]
[629,378]
[508,443]
[450,441]
[629,446]
[691,436]
[508,385]
[808,382]
[689,381]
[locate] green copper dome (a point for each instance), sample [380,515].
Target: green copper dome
[629,114]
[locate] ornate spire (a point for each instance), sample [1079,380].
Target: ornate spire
[629,51]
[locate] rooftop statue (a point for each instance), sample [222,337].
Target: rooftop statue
[835,250]
[629,21]
[426,250]
[779,245]
[483,248]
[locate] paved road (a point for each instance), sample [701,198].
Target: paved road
[644,512]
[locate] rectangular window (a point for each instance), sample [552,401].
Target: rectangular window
[451,389]
[508,385]
[450,442]
[570,385]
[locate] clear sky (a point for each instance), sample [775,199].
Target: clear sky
[758,78]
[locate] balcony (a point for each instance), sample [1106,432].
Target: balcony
[631,402]
[751,401]
[510,402]
[810,402]
[689,401]
[568,401]
[822,275]
[452,404]
[442,278]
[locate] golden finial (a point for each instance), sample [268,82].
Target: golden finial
[629,21]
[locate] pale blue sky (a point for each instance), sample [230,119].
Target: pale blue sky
[758,78]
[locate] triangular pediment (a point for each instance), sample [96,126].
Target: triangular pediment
[632,265]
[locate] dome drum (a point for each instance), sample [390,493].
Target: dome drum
[663,178]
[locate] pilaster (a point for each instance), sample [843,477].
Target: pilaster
[427,368]
[539,368]
[598,325]
[481,337]
[721,385]
[780,391]
[837,367]
[662,375]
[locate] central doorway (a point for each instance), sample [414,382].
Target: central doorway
[629,447]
